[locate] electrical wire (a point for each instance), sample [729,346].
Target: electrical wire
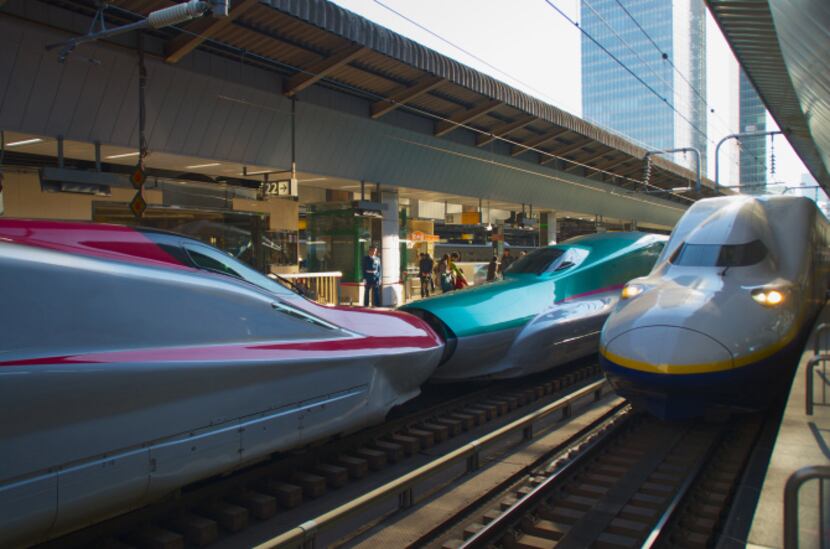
[377,97]
[648,86]
[666,57]
[467,52]
[463,50]
[646,64]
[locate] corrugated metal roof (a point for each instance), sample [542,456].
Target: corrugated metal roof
[332,18]
[783,46]
[296,37]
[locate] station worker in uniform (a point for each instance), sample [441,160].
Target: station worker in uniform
[371,275]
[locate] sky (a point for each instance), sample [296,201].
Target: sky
[528,45]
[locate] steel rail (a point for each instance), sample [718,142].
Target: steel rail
[654,537]
[305,534]
[494,530]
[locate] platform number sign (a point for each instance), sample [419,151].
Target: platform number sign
[285,187]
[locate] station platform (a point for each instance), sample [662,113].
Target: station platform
[802,440]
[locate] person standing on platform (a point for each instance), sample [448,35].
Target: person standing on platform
[425,269]
[459,280]
[492,268]
[371,275]
[506,260]
[445,278]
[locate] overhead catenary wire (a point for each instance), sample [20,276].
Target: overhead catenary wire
[650,67]
[370,95]
[666,57]
[474,56]
[628,69]
[461,49]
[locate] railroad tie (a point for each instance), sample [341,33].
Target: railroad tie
[197,530]
[158,538]
[584,530]
[232,518]
[394,451]
[336,476]
[375,458]
[313,486]
[261,506]
[288,495]
[439,432]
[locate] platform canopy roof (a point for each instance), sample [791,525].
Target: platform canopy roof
[784,48]
[315,42]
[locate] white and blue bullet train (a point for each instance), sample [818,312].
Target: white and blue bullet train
[720,318]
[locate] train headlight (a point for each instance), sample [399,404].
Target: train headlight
[768,297]
[632,290]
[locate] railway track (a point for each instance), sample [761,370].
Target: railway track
[632,482]
[222,508]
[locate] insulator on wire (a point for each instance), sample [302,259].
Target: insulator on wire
[647,170]
[772,154]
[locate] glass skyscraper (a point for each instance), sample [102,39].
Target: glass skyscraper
[639,33]
[753,118]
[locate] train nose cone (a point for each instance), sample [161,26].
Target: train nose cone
[667,350]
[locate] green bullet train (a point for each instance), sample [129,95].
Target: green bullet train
[548,310]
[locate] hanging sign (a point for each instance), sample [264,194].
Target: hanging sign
[138,205]
[137,178]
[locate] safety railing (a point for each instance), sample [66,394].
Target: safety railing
[305,535]
[809,381]
[817,348]
[794,483]
[322,287]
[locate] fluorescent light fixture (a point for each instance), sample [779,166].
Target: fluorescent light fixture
[211,165]
[25,142]
[260,172]
[122,155]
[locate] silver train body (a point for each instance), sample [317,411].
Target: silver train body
[716,323]
[123,378]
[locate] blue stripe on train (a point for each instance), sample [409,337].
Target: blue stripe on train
[677,396]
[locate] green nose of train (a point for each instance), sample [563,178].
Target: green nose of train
[548,310]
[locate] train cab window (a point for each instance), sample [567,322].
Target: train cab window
[716,255]
[571,258]
[213,260]
[536,262]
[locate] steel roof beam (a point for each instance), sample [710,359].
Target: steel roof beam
[404,95]
[202,29]
[587,161]
[580,145]
[313,73]
[537,141]
[504,129]
[443,127]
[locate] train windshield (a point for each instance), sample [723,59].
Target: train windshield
[536,262]
[717,255]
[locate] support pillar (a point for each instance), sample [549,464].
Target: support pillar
[392,290]
[547,228]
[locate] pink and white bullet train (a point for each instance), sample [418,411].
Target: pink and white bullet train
[721,317]
[133,362]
